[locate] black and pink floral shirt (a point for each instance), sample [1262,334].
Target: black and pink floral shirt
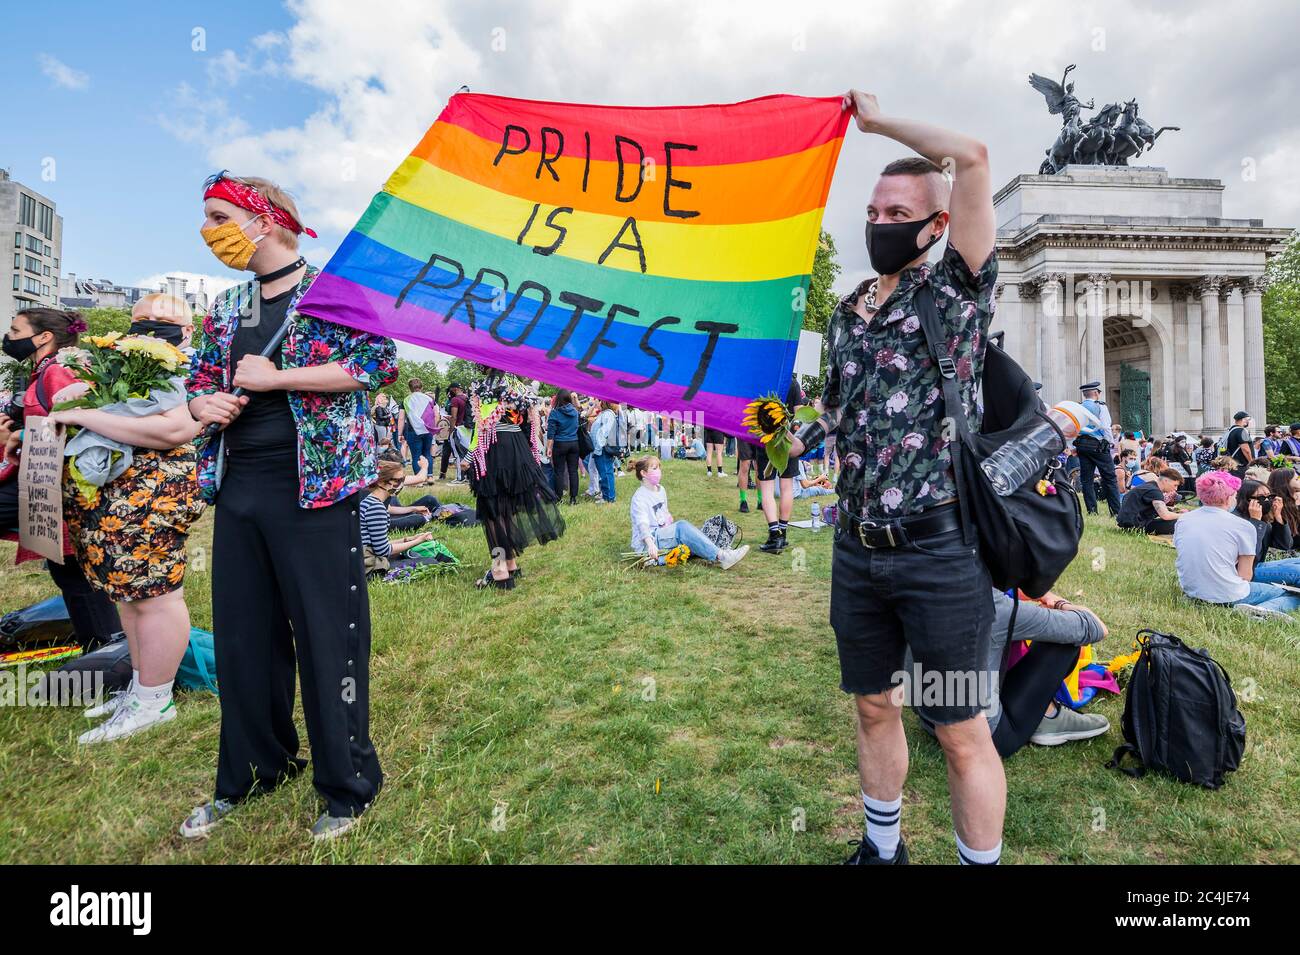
[891,439]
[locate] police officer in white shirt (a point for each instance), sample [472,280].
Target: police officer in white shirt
[1096,453]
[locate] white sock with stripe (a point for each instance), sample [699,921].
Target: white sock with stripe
[156,698]
[969,856]
[883,824]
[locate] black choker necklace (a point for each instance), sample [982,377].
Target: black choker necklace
[281,273]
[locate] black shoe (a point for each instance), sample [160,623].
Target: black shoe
[489,581]
[744,507]
[517,573]
[751,483]
[774,544]
[866,853]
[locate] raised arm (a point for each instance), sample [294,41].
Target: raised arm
[972,228]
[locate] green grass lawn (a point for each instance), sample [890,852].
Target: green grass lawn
[690,715]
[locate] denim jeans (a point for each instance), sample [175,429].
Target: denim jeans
[421,446]
[1279,572]
[605,465]
[1270,597]
[684,532]
[593,481]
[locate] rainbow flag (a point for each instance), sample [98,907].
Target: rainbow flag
[658,256]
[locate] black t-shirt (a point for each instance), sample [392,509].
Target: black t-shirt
[794,397]
[266,423]
[1238,437]
[1138,507]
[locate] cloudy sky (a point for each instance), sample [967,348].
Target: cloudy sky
[120,119]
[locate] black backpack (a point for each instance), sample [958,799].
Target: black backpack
[1026,539]
[1180,714]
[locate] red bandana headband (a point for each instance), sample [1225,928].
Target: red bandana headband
[246,197]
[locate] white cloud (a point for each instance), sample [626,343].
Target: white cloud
[212,284]
[1226,75]
[64,76]
[195,118]
[226,68]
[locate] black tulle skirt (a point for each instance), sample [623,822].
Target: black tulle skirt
[516,504]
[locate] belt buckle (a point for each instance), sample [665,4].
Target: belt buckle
[864,525]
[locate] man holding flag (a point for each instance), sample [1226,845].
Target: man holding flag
[902,574]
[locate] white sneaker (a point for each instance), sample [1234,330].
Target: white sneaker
[109,706]
[1261,613]
[129,719]
[730,558]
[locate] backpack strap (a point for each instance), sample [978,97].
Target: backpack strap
[928,314]
[42,392]
[1137,772]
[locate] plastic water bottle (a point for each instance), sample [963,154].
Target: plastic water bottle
[816,516]
[1011,465]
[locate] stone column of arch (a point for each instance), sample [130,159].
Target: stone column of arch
[1211,352]
[1095,369]
[1189,370]
[1252,292]
[1051,312]
[1231,311]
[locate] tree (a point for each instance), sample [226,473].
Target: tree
[1282,336]
[821,302]
[101,321]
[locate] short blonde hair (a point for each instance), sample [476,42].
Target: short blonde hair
[273,194]
[161,307]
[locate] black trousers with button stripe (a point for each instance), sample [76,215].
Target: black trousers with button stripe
[288,587]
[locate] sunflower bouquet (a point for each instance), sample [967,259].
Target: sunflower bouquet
[769,420]
[130,375]
[676,557]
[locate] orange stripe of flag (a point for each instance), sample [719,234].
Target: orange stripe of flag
[758,191]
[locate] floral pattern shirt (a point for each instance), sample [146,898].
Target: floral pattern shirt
[336,443]
[891,438]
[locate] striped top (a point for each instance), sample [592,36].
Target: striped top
[374,525]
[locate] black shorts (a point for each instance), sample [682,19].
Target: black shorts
[934,597]
[714,436]
[745,451]
[768,473]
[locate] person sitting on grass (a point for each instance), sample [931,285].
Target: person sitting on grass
[1144,509]
[1148,472]
[382,554]
[654,531]
[408,517]
[1216,553]
[808,485]
[1025,709]
[1264,510]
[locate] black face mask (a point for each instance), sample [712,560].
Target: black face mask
[19,349]
[164,330]
[891,245]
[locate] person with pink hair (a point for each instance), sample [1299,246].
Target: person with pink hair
[1216,553]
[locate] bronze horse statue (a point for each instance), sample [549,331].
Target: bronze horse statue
[1133,134]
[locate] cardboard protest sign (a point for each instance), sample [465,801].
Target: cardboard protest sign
[658,256]
[40,504]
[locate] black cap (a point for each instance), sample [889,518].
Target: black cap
[1038,386]
[1294,427]
[1241,416]
[1091,386]
[453,385]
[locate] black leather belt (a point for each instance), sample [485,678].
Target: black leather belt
[886,534]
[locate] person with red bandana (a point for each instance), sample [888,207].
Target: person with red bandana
[283,398]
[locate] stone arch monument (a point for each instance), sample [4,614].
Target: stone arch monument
[1125,274]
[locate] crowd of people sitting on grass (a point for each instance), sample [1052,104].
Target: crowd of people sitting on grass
[1230,505]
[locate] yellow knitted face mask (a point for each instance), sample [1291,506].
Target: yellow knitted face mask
[230,243]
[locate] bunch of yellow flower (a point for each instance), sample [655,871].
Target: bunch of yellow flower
[165,353]
[677,556]
[118,367]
